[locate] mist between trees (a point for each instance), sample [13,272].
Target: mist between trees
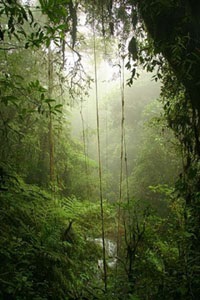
[99,152]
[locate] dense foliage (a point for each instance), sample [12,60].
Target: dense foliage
[51,227]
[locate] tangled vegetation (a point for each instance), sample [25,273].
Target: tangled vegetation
[148,213]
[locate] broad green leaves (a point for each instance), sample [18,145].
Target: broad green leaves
[38,259]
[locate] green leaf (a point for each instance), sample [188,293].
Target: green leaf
[49,100]
[58,106]
[10,98]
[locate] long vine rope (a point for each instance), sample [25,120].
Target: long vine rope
[127,228]
[121,153]
[84,148]
[126,166]
[51,140]
[99,161]
[123,158]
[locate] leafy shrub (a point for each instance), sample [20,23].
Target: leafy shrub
[34,260]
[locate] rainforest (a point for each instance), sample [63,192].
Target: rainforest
[99,149]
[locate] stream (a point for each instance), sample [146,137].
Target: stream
[111,251]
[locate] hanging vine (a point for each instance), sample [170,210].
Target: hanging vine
[121,153]
[99,160]
[84,147]
[123,219]
[50,91]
